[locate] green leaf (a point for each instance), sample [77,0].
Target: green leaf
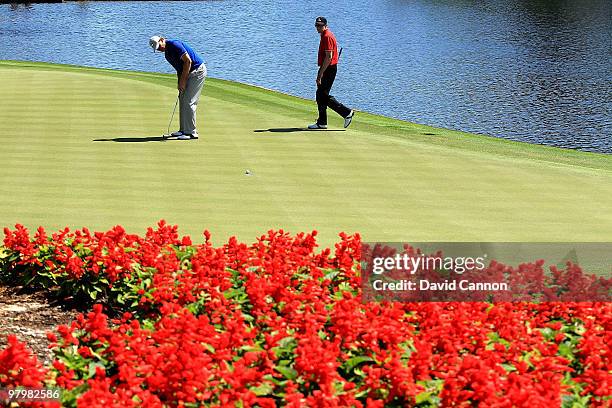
[331,275]
[345,287]
[286,345]
[548,333]
[92,369]
[425,396]
[359,373]
[92,294]
[288,372]
[276,381]
[566,350]
[263,389]
[209,347]
[575,401]
[248,348]
[102,360]
[351,363]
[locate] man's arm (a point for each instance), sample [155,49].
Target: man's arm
[185,73]
[324,65]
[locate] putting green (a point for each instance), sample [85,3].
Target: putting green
[81,147]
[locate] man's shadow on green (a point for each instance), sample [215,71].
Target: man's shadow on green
[136,139]
[294,129]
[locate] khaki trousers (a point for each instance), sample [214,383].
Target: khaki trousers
[189,98]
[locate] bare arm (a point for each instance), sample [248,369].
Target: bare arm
[324,65]
[185,73]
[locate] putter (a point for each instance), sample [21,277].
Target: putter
[165,136]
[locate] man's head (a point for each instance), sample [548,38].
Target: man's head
[321,24]
[157,43]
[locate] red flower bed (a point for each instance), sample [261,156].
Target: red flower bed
[281,323]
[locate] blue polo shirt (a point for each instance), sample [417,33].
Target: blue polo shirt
[175,49]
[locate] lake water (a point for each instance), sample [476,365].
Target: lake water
[531,70]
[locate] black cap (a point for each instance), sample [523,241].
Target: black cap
[321,21]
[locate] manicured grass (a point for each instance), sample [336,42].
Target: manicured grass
[80,147]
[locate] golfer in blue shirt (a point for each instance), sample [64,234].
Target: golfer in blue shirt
[191,73]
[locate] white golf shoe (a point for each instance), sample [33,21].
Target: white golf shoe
[349,119]
[185,136]
[176,134]
[316,126]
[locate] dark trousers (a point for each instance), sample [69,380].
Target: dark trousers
[324,99]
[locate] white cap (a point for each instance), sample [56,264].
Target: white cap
[154,42]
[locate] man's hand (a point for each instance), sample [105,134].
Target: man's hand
[326,61]
[182,83]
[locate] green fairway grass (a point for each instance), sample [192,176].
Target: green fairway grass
[81,147]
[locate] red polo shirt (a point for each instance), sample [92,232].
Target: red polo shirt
[328,43]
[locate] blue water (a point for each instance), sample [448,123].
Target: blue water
[536,71]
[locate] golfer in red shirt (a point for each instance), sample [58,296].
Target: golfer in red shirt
[328,60]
